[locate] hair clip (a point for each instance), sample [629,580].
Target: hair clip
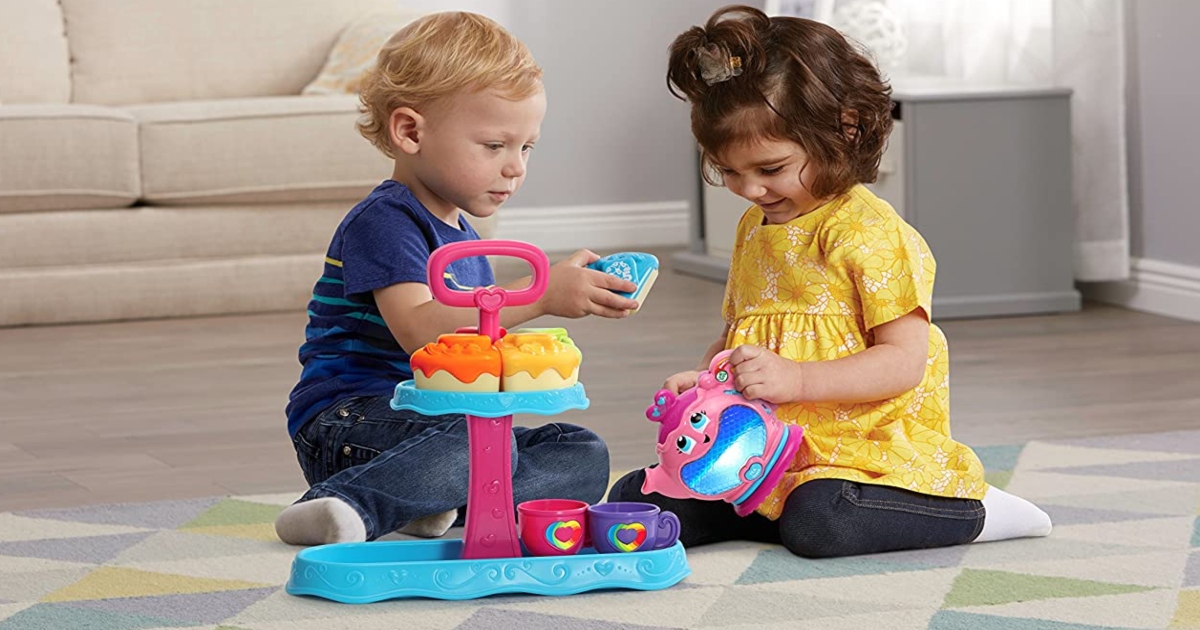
[716,65]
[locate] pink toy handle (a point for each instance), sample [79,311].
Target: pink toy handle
[719,374]
[489,300]
[719,358]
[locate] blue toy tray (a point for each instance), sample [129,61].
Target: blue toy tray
[488,405]
[360,573]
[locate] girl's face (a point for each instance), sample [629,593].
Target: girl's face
[774,174]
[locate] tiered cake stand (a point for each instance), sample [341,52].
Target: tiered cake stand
[489,559]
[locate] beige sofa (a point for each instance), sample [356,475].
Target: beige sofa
[156,158]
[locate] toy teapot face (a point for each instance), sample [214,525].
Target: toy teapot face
[714,444]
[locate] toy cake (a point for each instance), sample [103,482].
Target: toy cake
[458,362]
[638,268]
[536,361]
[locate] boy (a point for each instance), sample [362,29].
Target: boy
[457,102]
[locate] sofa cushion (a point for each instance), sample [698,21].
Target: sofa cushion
[59,267]
[83,238]
[58,157]
[34,63]
[176,289]
[262,150]
[145,51]
[147,233]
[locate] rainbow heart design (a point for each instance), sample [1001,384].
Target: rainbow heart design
[635,533]
[564,535]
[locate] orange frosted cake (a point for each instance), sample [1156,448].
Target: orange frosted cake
[538,359]
[460,363]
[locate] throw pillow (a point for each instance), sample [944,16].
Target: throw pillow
[355,52]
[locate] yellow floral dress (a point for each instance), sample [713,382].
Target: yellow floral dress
[813,289]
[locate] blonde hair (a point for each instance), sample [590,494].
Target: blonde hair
[437,56]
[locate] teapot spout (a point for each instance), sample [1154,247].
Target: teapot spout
[660,481]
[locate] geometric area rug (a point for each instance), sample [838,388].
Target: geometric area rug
[1125,553]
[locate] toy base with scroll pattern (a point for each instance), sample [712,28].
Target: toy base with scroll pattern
[715,445]
[638,268]
[361,573]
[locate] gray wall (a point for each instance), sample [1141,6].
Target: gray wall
[613,134]
[1164,137]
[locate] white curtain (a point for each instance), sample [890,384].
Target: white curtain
[1078,44]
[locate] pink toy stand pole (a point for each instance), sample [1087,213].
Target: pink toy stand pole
[491,530]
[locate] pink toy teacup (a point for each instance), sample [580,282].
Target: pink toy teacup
[552,527]
[628,526]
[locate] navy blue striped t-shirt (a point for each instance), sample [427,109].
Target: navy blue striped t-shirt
[348,350]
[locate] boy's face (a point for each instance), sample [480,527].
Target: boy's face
[774,174]
[475,149]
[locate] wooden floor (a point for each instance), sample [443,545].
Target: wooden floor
[152,410]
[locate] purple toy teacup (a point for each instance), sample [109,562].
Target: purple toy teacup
[628,526]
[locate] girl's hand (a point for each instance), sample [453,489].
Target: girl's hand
[761,374]
[575,291]
[682,381]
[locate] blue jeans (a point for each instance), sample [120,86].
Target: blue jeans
[824,518]
[397,466]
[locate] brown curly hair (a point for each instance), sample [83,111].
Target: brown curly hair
[799,80]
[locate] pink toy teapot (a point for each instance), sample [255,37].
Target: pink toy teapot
[714,444]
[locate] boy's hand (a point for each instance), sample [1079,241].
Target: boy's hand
[761,374]
[575,291]
[682,381]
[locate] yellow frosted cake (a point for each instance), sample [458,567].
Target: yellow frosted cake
[538,359]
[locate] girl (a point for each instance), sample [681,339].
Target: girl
[827,304]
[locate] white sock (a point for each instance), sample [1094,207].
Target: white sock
[1009,516]
[320,522]
[430,526]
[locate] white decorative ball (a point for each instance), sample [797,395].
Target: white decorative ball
[875,26]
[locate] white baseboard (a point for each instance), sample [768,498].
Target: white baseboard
[1154,286]
[622,226]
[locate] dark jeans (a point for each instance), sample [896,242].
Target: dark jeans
[824,518]
[397,466]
